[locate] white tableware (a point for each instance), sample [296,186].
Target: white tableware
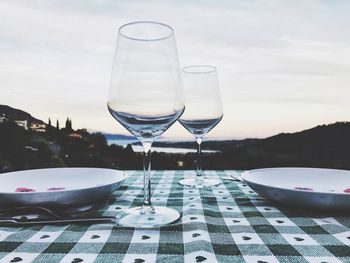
[58,186]
[307,187]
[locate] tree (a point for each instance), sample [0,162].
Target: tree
[67,124]
[57,126]
[49,129]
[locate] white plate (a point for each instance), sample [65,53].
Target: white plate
[58,186]
[308,187]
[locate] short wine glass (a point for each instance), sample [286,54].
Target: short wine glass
[203,112]
[146,97]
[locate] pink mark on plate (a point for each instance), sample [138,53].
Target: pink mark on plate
[347,190]
[24,190]
[303,188]
[56,188]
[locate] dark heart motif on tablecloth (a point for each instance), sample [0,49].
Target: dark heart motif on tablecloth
[77,260]
[144,237]
[193,217]
[94,237]
[200,258]
[299,239]
[195,235]
[139,260]
[246,238]
[16,259]
[279,221]
[44,236]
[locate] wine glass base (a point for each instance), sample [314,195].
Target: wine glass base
[205,182]
[159,217]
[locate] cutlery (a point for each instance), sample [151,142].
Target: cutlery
[233,178]
[34,215]
[237,178]
[23,221]
[31,210]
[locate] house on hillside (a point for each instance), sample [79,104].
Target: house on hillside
[22,123]
[75,136]
[37,126]
[3,118]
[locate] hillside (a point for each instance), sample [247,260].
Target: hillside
[321,146]
[16,114]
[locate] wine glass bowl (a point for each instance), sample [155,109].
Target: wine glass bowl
[203,112]
[146,97]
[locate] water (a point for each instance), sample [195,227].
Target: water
[144,127]
[138,148]
[200,127]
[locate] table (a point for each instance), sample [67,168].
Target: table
[226,223]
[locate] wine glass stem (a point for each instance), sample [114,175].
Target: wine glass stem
[199,158]
[147,204]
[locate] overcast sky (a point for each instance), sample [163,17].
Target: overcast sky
[283,65]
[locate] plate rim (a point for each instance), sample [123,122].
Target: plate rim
[245,173]
[124,177]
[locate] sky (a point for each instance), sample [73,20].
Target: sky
[283,66]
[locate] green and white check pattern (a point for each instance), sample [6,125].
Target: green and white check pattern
[226,223]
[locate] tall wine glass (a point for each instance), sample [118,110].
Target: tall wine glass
[203,112]
[146,97]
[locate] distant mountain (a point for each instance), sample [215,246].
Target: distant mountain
[16,114]
[321,146]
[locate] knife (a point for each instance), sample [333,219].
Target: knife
[63,220]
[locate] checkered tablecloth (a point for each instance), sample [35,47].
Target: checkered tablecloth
[226,223]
